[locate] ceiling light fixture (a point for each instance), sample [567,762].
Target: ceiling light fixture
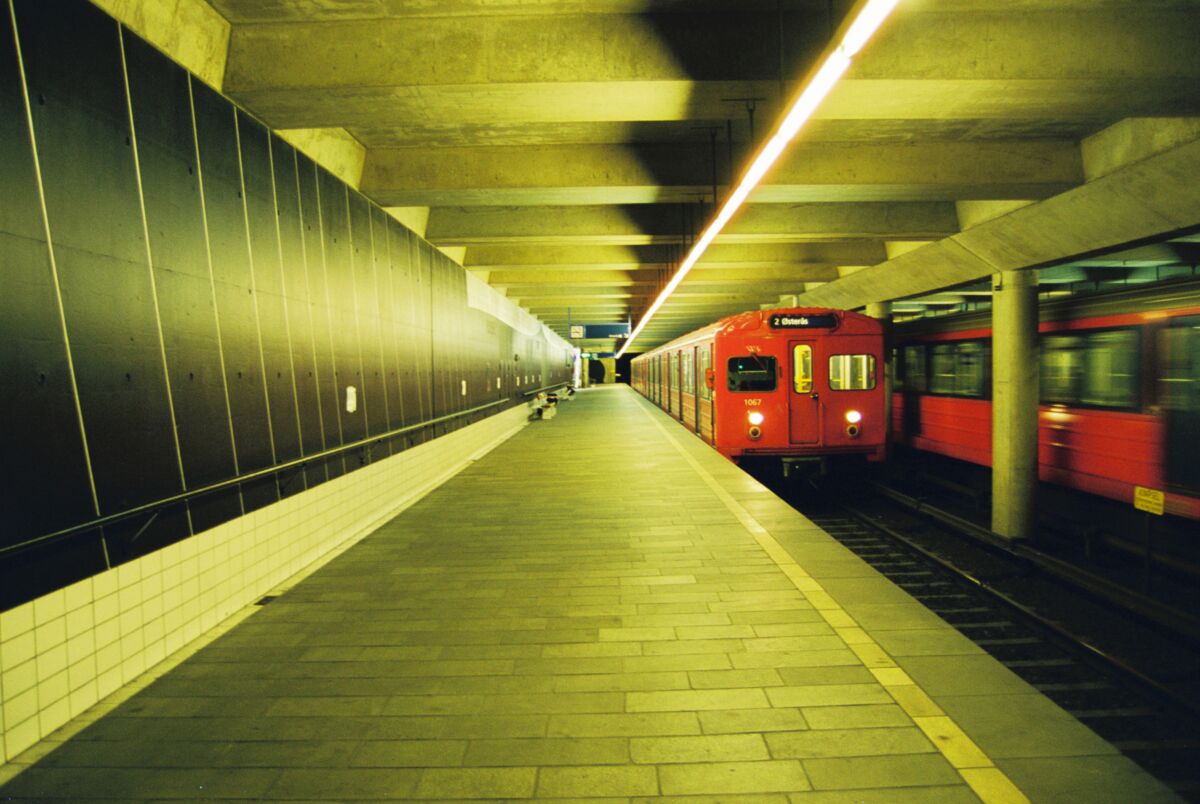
[871,14]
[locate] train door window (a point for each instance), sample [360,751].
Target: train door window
[703,363]
[1061,367]
[913,368]
[673,370]
[851,372]
[1110,369]
[689,384]
[1180,396]
[751,373]
[802,373]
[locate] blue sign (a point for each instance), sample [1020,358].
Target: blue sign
[606,330]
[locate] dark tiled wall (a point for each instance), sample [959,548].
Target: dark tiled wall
[184,298]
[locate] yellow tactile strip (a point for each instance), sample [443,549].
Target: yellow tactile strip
[968,759]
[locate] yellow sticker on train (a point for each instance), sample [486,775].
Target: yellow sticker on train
[1149,500]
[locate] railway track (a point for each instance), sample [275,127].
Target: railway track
[1137,687]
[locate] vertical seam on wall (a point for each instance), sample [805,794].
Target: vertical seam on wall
[162,343]
[387,409]
[62,315]
[392,311]
[337,391]
[434,385]
[287,319]
[312,327]
[414,264]
[212,286]
[362,369]
[262,359]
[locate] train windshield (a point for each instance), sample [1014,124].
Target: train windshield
[752,373]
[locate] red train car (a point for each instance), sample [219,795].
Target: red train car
[1120,392]
[798,383]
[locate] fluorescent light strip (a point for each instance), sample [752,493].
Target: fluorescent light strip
[836,63]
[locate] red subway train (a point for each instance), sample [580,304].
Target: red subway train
[1120,392]
[802,384]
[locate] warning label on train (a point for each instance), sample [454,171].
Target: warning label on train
[785,321]
[1149,500]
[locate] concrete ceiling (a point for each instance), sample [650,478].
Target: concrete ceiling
[567,150]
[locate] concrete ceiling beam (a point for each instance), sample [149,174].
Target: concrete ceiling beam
[587,174]
[927,41]
[728,256]
[274,11]
[479,114]
[666,223]
[1144,200]
[510,49]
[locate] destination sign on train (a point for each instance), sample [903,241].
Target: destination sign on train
[785,321]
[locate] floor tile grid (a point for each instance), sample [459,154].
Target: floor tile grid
[976,768]
[448,656]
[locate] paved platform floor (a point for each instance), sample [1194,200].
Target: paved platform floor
[601,608]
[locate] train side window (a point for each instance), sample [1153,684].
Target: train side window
[703,360]
[689,384]
[751,373]
[802,368]
[851,372]
[1110,369]
[1061,368]
[673,371]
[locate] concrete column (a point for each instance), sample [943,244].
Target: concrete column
[883,311]
[1015,376]
[880,310]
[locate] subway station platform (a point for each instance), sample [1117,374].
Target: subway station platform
[600,608]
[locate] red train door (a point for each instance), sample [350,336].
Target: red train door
[804,401]
[1180,396]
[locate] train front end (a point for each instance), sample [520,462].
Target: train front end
[803,384]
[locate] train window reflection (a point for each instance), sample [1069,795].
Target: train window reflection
[851,372]
[751,373]
[1061,366]
[703,361]
[1110,376]
[942,368]
[1099,368]
[689,384]
[912,367]
[972,358]
[959,368]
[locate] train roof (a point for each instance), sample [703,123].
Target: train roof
[752,320]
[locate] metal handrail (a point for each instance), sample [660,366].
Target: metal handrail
[546,388]
[184,496]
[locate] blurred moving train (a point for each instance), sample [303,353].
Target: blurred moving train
[1120,392]
[802,384]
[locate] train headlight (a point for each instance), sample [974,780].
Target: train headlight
[853,417]
[755,432]
[755,418]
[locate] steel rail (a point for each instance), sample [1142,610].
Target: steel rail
[184,496]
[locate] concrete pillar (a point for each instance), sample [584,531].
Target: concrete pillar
[883,311]
[880,310]
[1015,375]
